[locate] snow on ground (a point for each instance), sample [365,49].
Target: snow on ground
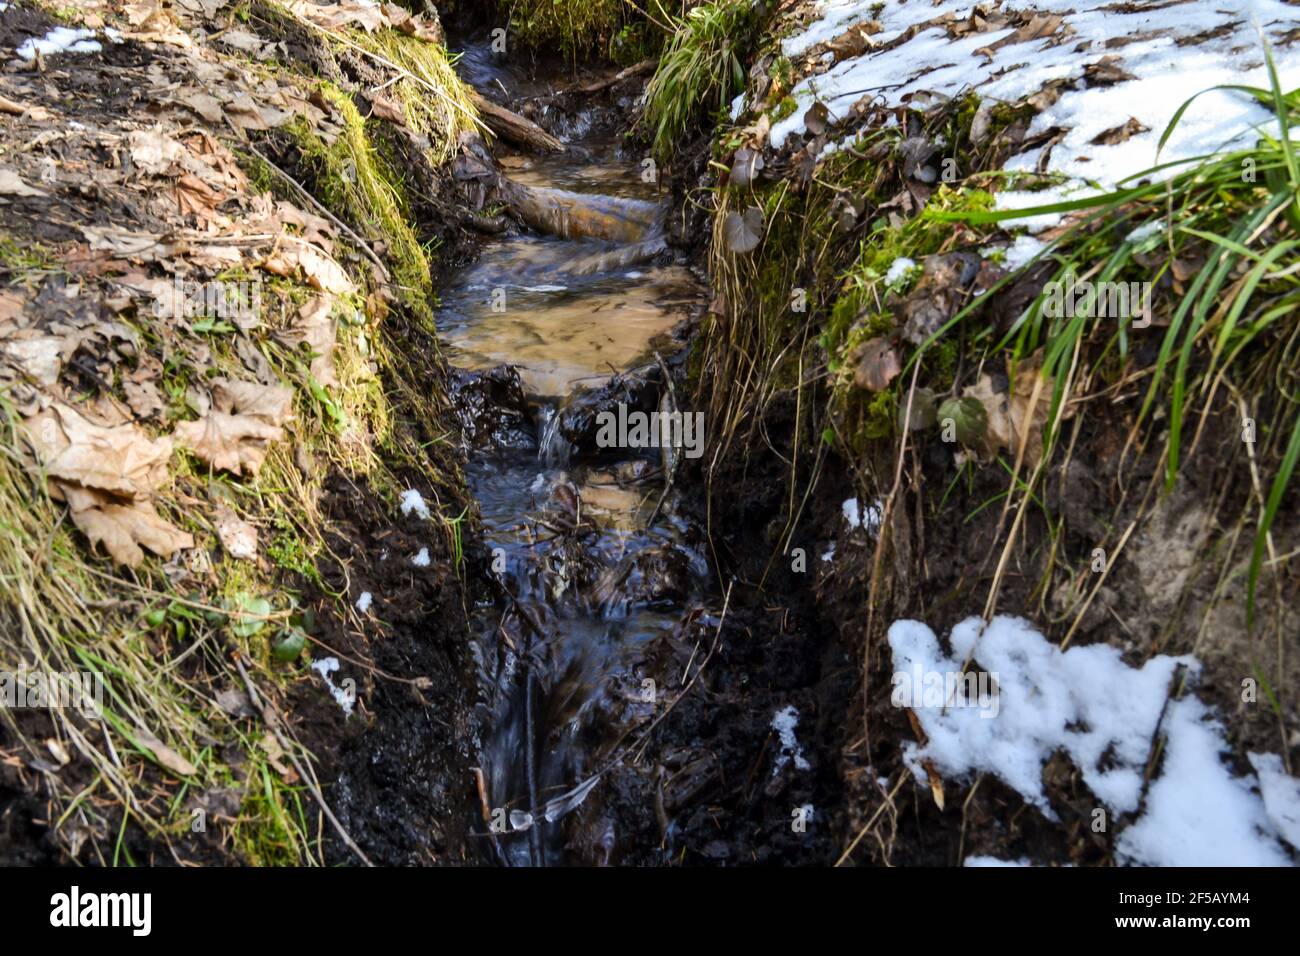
[413,501]
[1154,46]
[858,517]
[784,722]
[421,560]
[899,270]
[59,40]
[1281,793]
[1089,704]
[325,667]
[993,861]
[364,601]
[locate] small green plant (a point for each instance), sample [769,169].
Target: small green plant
[1238,211]
[701,70]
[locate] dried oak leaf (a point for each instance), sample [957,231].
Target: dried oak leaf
[120,459]
[315,327]
[1118,134]
[122,525]
[194,196]
[292,256]
[236,432]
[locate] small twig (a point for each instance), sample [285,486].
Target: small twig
[302,192]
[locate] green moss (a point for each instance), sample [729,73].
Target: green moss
[784,109]
[573,26]
[437,104]
[288,550]
[353,179]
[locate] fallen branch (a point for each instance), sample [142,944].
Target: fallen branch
[302,192]
[645,66]
[514,128]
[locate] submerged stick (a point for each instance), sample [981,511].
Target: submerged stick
[530,763]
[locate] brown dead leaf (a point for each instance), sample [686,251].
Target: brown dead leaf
[237,430]
[11,184]
[126,244]
[155,151]
[315,327]
[164,754]
[877,364]
[1106,72]
[238,537]
[144,398]
[11,305]
[194,196]
[38,114]
[293,256]
[121,459]
[386,109]
[206,105]
[122,525]
[1118,134]
[37,357]
[1017,418]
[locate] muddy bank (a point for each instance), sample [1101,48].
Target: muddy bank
[272,581]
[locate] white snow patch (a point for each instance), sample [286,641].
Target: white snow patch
[413,501]
[784,722]
[994,861]
[1197,814]
[59,40]
[1022,250]
[1281,793]
[1172,51]
[364,601]
[899,270]
[858,517]
[1145,231]
[421,560]
[1088,703]
[829,553]
[325,667]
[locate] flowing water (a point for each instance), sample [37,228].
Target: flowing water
[586,581]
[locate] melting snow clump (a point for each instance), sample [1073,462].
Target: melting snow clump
[59,40]
[364,602]
[412,500]
[326,666]
[994,861]
[857,517]
[421,560]
[899,270]
[1088,703]
[783,722]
